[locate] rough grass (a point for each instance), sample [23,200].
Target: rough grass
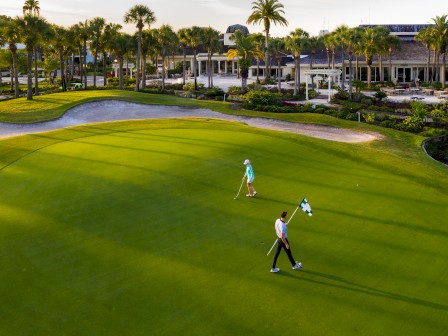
[131,228]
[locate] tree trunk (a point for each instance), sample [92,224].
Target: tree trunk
[84,67]
[381,68]
[143,71]
[343,71]
[104,70]
[267,75]
[139,50]
[390,66]
[95,65]
[120,81]
[29,94]
[443,70]
[357,67]
[296,75]
[163,70]
[350,77]
[184,67]
[16,73]
[279,77]
[12,81]
[428,65]
[194,70]
[36,75]
[61,64]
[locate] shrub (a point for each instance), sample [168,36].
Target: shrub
[390,123]
[352,116]
[213,92]
[366,101]
[359,85]
[262,98]
[369,117]
[235,90]
[381,117]
[190,86]
[411,124]
[352,107]
[419,110]
[433,132]
[380,95]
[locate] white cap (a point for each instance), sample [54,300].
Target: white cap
[246,162]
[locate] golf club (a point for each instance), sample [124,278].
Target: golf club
[239,189]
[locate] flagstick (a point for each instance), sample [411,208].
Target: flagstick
[271,247]
[293,214]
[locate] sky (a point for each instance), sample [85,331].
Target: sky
[310,15]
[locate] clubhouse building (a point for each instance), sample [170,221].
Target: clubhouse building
[405,65]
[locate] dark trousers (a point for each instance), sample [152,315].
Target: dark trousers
[280,246]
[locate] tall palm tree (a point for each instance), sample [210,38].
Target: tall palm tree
[96,27]
[61,44]
[258,41]
[148,42]
[140,15]
[341,34]
[84,35]
[330,46]
[31,28]
[244,50]
[369,39]
[382,46]
[277,49]
[182,36]
[393,43]
[314,43]
[194,38]
[111,31]
[11,36]
[441,36]
[31,7]
[424,36]
[295,43]
[210,41]
[267,12]
[167,39]
[119,46]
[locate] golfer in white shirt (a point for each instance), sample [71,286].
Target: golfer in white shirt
[281,228]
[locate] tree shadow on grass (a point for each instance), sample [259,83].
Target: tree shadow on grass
[354,287]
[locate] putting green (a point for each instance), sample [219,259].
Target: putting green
[132,229]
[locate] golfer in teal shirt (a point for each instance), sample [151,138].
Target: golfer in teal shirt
[250,178]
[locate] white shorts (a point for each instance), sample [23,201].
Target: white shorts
[250,180]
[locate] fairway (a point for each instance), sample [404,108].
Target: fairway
[131,228]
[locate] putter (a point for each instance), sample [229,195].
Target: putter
[239,189]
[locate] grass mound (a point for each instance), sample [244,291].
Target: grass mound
[131,228]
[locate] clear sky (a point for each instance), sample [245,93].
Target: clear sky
[311,15]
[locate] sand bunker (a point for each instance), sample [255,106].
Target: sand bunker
[112,110]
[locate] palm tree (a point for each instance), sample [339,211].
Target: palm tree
[147,43]
[167,39]
[61,44]
[244,50]
[182,36]
[31,29]
[267,12]
[295,43]
[393,43]
[96,27]
[11,36]
[441,37]
[111,31]
[424,36]
[330,46]
[140,15]
[193,36]
[31,7]
[341,39]
[210,41]
[314,43]
[369,38]
[258,41]
[83,36]
[277,49]
[120,45]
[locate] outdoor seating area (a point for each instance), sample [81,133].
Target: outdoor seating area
[416,93]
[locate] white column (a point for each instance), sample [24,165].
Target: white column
[219,67]
[200,68]
[306,81]
[329,88]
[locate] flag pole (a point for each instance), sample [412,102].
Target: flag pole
[271,247]
[293,214]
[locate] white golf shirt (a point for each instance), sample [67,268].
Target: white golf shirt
[281,227]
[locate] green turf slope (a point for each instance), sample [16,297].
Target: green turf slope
[132,229]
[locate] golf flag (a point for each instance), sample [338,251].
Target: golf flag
[306,207]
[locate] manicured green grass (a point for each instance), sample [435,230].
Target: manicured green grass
[131,229]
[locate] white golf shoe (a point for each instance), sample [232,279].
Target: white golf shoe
[275,270]
[297,265]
